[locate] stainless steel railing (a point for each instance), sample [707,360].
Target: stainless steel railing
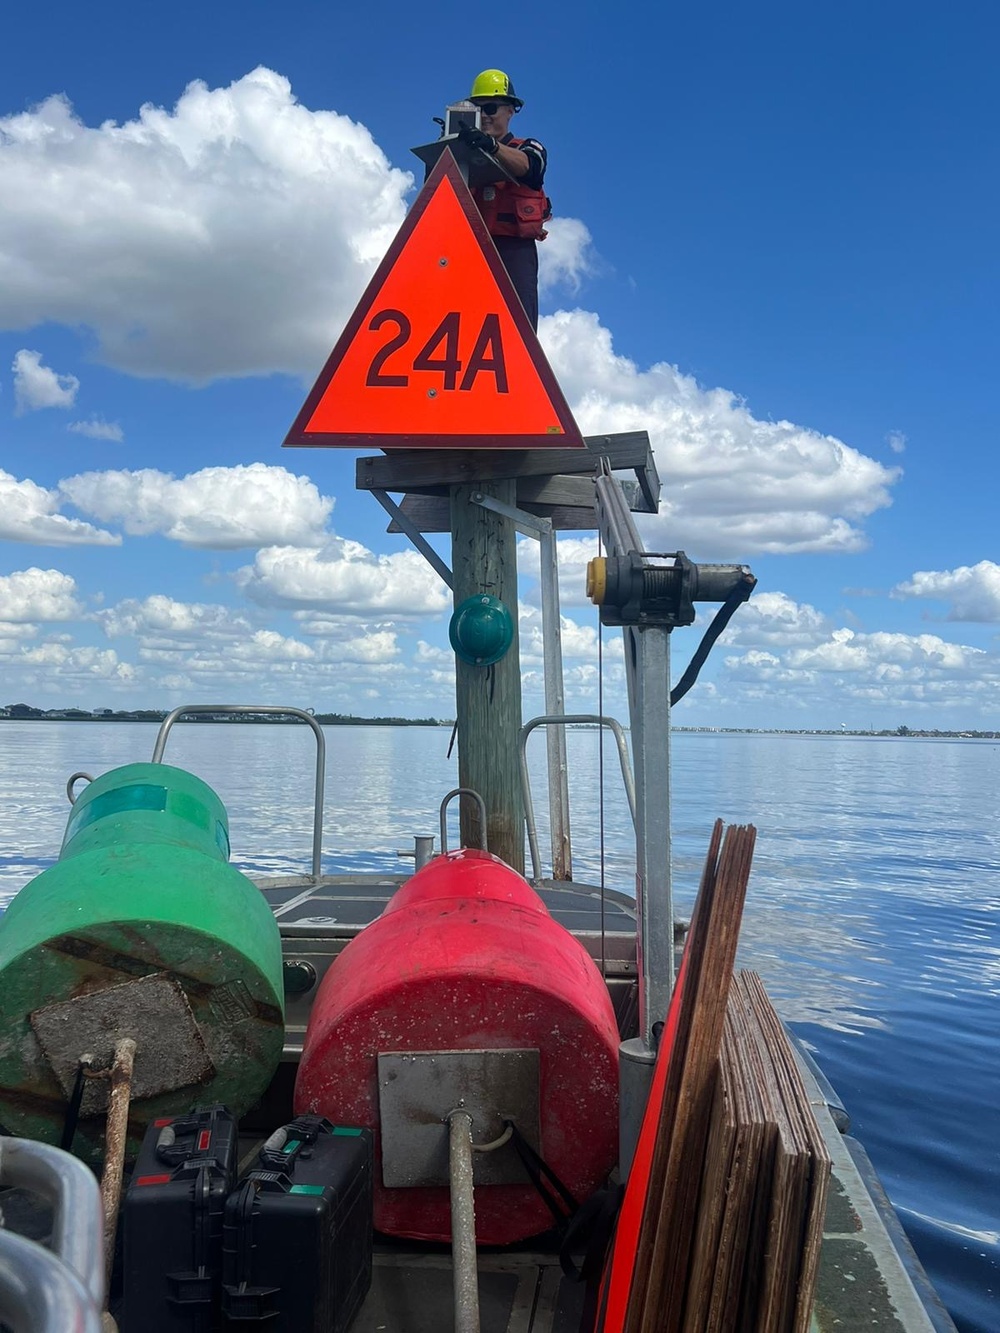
[271,710]
[60,1290]
[563,720]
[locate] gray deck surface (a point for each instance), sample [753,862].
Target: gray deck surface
[869,1278]
[352,901]
[518,1293]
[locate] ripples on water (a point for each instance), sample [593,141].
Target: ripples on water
[873,908]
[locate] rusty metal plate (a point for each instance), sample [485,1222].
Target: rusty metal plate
[416,1091]
[153,1010]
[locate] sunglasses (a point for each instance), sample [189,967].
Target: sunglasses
[491,108]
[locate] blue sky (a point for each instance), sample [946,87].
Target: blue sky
[774,248]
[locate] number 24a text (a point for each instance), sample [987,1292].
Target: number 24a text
[439,353]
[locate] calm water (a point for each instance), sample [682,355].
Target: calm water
[873,909]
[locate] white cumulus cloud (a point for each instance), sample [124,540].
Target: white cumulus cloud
[847,650]
[223,508]
[877,673]
[38,595]
[231,234]
[567,255]
[345,577]
[733,485]
[37,386]
[973,591]
[773,619]
[375,648]
[63,663]
[427,655]
[578,641]
[30,513]
[164,621]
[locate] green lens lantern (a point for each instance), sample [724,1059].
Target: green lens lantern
[481,630]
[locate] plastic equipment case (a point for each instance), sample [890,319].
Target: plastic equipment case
[172,1223]
[297,1238]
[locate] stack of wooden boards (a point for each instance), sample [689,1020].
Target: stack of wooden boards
[721,1222]
[764,1182]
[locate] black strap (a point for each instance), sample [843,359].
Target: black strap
[719,622]
[202,1217]
[588,1227]
[73,1110]
[591,1230]
[559,1201]
[243,1213]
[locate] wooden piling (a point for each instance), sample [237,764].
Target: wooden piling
[488,699]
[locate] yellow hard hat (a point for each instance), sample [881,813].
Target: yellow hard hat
[495,83]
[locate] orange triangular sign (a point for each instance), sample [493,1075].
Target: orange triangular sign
[439,352]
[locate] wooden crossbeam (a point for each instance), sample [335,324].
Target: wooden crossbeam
[422,471]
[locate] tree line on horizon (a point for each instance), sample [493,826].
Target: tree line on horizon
[23,712]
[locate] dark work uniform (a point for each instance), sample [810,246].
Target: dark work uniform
[519,253]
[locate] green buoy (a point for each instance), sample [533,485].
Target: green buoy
[141,929]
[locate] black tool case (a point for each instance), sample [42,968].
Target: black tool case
[297,1237]
[172,1223]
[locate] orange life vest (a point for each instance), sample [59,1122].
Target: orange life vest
[512,209]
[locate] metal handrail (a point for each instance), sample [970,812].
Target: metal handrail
[39,1293]
[42,1291]
[567,719]
[268,710]
[463,791]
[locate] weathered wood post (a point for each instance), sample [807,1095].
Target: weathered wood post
[488,699]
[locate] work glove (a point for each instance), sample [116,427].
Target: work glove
[477,139]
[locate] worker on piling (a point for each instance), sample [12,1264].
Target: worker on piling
[514,210]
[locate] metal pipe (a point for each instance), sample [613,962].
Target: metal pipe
[463,1222]
[647,671]
[636,1061]
[423,850]
[114,1152]
[70,1187]
[532,525]
[555,705]
[650,650]
[266,710]
[39,1293]
[561,721]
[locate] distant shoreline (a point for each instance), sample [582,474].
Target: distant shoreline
[348,720]
[248,719]
[893,733]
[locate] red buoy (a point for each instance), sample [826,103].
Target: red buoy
[467,958]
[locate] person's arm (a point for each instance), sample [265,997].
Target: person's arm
[512,160]
[526,163]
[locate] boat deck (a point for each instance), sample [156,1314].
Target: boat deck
[869,1276]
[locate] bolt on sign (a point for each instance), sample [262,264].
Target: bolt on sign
[439,352]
